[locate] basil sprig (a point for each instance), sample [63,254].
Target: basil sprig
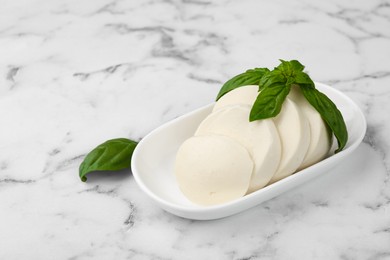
[112,155]
[275,85]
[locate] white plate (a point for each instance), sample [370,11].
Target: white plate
[153,159]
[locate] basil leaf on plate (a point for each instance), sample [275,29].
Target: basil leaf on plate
[289,67]
[303,78]
[329,112]
[274,77]
[269,102]
[112,155]
[250,77]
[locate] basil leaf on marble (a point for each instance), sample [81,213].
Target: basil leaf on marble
[249,77]
[329,112]
[112,155]
[269,102]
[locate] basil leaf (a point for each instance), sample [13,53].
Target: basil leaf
[288,68]
[112,155]
[271,78]
[296,65]
[250,77]
[303,78]
[269,102]
[329,112]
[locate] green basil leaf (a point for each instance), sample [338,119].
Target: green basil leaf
[329,112]
[112,155]
[302,78]
[296,65]
[250,77]
[274,77]
[269,102]
[290,66]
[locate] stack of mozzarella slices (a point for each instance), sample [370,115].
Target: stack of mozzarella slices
[229,156]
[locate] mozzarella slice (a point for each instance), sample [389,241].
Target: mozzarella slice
[294,133]
[320,136]
[245,95]
[291,123]
[213,169]
[260,138]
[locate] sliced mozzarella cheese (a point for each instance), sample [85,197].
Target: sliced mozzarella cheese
[213,169]
[320,136]
[245,95]
[260,138]
[294,133]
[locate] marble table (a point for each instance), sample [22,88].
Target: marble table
[76,73]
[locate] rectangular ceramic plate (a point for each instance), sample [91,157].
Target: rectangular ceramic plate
[153,160]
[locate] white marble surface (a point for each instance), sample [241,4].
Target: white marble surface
[76,73]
